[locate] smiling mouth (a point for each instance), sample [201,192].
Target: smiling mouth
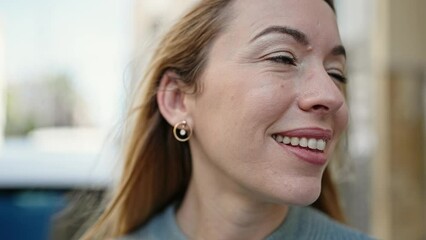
[312,144]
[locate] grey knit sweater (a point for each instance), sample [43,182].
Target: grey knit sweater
[301,223]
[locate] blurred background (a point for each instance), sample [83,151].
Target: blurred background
[67,67]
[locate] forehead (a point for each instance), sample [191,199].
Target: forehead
[313,17]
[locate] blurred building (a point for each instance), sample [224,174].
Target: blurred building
[50,101]
[399,166]
[387,94]
[2,87]
[64,63]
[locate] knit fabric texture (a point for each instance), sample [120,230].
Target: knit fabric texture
[301,223]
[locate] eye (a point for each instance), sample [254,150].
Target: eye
[283,59]
[337,76]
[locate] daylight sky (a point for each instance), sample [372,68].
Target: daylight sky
[90,40]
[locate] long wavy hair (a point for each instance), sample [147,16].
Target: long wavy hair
[157,168]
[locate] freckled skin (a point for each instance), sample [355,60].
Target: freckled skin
[246,98]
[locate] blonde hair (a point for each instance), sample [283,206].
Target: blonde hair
[157,168]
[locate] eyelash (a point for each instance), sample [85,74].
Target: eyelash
[338,77]
[292,61]
[283,59]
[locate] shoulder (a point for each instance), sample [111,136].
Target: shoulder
[309,223]
[328,227]
[161,226]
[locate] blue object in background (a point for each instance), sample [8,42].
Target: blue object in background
[26,214]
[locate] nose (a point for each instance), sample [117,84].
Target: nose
[320,94]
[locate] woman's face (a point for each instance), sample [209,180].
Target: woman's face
[271,108]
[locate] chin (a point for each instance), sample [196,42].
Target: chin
[307,198]
[301,194]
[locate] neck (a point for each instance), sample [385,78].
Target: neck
[210,212]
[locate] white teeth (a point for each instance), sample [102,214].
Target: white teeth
[303,142]
[294,141]
[321,145]
[311,143]
[286,140]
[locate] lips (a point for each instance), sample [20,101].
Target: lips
[307,144]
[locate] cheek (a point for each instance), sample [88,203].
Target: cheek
[243,102]
[233,119]
[342,118]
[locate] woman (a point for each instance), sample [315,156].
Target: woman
[235,122]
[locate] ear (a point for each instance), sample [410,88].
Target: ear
[171,98]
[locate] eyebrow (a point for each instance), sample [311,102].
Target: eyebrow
[299,36]
[339,50]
